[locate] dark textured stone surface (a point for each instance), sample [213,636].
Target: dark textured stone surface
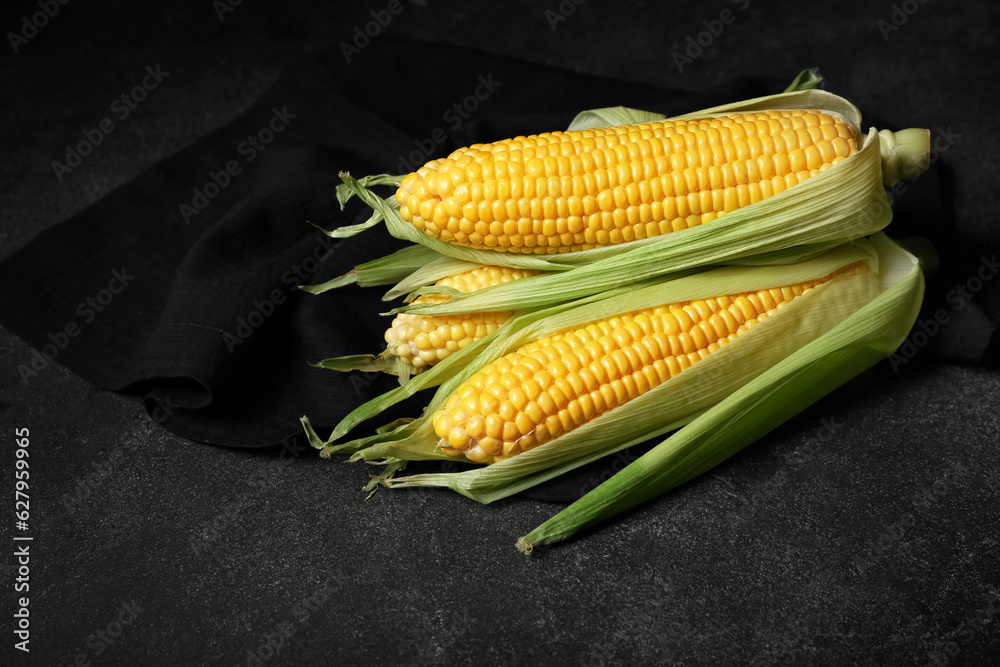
[789,553]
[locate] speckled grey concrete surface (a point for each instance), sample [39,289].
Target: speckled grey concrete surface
[877,547]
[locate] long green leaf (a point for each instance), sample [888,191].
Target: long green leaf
[593,119]
[382,271]
[612,116]
[807,79]
[752,411]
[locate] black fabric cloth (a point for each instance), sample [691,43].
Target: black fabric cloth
[181,285]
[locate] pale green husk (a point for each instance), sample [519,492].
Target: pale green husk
[387,270]
[665,408]
[779,392]
[806,80]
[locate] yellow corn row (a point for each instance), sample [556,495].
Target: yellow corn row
[555,384]
[575,190]
[424,340]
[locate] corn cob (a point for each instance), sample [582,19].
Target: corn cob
[555,384]
[424,340]
[575,190]
[613,178]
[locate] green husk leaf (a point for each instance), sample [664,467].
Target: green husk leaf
[392,466]
[611,117]
[353,362]
[670,405]
[386,433]
[344,193]
[348,278]
[310,432]
[435,290]
[592,119]
[352,230]
[434,270]
[777,394]
[369,363]
[798,98]
[807,79]
[905,153]
[811,98]
[437,374]
[382,271]
[485,487]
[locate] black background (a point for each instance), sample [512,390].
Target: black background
[788,553]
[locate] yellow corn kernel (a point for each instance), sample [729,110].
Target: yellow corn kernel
[687,172]
[424,340]
[622,357]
